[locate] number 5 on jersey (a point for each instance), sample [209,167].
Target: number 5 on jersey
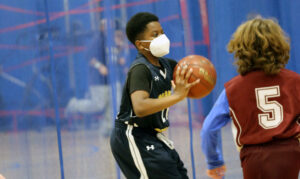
[268,107]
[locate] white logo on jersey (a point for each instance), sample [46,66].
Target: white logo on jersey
[156,78]
[150,147]
[164,74]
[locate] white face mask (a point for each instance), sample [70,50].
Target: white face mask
[160,46]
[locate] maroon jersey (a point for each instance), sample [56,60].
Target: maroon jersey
[264,107]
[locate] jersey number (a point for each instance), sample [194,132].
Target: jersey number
[164,115]
[272,114]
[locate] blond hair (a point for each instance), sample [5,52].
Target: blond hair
[259,44]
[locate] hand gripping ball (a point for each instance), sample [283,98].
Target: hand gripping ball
[204,70]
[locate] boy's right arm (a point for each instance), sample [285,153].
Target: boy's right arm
[211,143]
[143,105]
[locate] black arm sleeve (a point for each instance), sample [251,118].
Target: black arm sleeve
[173,63]
[139,79]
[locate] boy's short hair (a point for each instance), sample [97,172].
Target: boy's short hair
[137,25]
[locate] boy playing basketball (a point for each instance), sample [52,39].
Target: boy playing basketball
[138,145]
[263,103]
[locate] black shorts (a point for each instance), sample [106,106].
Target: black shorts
[140,154]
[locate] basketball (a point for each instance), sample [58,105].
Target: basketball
[204,70]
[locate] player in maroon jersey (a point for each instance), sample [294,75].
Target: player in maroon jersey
[263,102]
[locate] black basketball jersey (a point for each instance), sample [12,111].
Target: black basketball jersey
[160,87]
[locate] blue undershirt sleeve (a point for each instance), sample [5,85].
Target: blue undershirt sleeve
[211,143]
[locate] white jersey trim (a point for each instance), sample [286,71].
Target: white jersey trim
[235,132]
[135,153]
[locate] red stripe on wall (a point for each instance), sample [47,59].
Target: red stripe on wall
[187,27]
[204,19]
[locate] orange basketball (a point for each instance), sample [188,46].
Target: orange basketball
[204,70]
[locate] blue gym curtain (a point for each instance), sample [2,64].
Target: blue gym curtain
[63,64]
